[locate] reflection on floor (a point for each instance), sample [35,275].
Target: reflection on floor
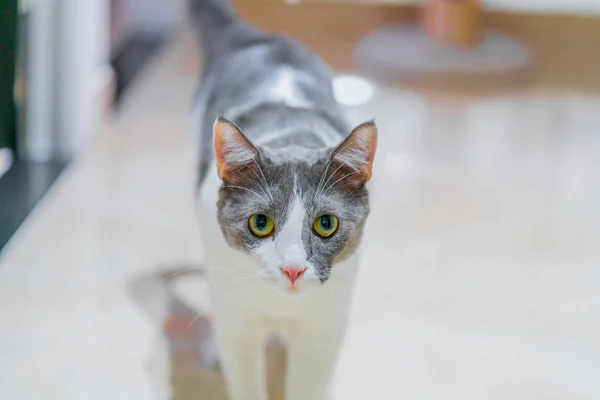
[171,299]
[480,272]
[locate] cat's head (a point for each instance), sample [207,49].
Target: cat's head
[297,213]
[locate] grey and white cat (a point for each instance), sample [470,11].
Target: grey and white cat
[282,202]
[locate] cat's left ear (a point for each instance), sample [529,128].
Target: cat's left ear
[354,156]
[233,151]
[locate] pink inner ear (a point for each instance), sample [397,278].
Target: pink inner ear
[369,147]
[357,152]
[232,149]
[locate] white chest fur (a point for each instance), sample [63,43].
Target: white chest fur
[246,311]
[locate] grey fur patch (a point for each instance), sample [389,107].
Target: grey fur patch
[237,85]
[319,194]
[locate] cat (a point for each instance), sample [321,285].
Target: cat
[282,202]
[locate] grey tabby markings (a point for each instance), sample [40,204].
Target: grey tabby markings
[292,133]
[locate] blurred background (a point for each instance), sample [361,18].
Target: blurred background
[482,258]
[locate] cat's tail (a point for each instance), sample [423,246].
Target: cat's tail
[211,16]
[217,25]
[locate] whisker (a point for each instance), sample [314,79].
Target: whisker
[264,179]
[322,178]
[249,190]
[260,186]
[331,293]
[181,271]
[331,176]
[333,184]
[327,169]
[193,321]
[225,273]
[321,183]
[253,182]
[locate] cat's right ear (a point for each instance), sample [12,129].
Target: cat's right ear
[233,150]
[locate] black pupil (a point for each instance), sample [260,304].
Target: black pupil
[326,222]
[260,222]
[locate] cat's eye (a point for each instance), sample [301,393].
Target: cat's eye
[326,225]
[261,225]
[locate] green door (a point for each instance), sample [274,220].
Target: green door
[8,41]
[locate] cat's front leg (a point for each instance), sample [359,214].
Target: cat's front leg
[312,355]
[241,350]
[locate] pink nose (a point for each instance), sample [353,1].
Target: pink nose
[293,273]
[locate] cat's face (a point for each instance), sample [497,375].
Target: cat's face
[298,219]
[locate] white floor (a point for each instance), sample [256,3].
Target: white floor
[480,280]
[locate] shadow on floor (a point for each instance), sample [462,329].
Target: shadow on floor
[193,375]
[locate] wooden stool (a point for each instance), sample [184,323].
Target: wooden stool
[453,22]
[448,43]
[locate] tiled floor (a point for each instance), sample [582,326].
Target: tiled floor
[480,277]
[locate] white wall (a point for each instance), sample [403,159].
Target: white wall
[68,66]
[38,143]
[82,67]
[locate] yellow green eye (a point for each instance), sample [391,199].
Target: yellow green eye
[325,225]
[261,225]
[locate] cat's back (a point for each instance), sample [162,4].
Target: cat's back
[278,92]
[245,68]
[269,69]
